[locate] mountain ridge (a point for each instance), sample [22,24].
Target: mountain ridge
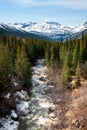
[47,29]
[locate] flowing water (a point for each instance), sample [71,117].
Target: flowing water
[40,117]
[36,111]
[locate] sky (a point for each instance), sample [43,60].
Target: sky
[66,12]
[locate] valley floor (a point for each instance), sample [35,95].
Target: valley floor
[50,105]
[61,97]
[71,105]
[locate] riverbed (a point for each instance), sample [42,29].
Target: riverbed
[40,108]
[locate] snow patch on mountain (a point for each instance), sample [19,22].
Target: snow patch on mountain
[23,25]
[79,28]
[49,29]
[44,27]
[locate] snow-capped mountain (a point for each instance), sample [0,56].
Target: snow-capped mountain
[47,29]
[16,30]
[23,25]
[52,30]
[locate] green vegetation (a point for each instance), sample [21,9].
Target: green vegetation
[16,58]
[22,66]
[77,82]
[70,57]
[18,55]
[65,70]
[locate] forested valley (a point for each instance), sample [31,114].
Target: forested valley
[67,68]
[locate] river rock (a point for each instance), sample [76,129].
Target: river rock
[34,83]
[43,92]
[8,124]
[52,115]
[51,109]
[76,123]
[22,108]
[21,96]
[51,86]
[25,93]
[7,95]
[42,78]
[50,83]
[14,116]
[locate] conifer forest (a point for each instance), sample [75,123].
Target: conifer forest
[66,63]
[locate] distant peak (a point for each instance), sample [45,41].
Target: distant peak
[2,23]
[28,22]
[85,23]
[51,22]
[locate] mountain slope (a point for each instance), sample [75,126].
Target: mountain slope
[8,30]
[46,30]
[49,30]
[53,30]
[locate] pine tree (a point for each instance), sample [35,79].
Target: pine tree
[83,49]
[65,71]
[76,54]
[77,82]
[62,52]
[48,55]
[53,56]
[22,67]
[5,67]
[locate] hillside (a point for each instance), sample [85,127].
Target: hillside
[45,30]
[43,83]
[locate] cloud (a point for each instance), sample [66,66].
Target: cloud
[77,4]
[21,1]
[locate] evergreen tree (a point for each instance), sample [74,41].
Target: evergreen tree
[77,82]
[53,56]
[65,71]
[48,55]
[22,67]
[76,54]
[5,67]
[62,53]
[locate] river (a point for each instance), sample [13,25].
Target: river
[41,115]
[41,110]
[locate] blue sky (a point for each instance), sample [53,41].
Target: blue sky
[66,12]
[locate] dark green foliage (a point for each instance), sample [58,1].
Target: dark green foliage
[52,55]
[55,58]
[5,67]
[83,48]
[48,55]
[76,54]
[22,67]
[77,74]
[16,57]
[67,54]
[17,54]
[65,71]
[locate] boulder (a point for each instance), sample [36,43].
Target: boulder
[76,123]
[42,78]
[51,109]
[14,116]
[52,115]
[7,95]
[22,108]
[34,83]
[21,96]
[50,83]
[51,86]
